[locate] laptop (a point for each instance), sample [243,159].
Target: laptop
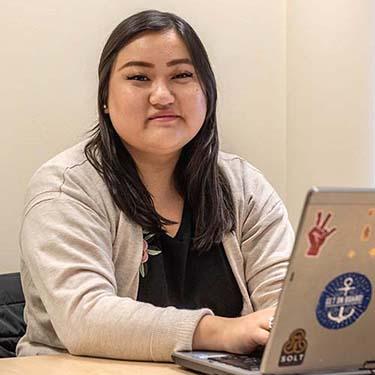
[325,319]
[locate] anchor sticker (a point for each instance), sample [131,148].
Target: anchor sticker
[344,300]
[341,316]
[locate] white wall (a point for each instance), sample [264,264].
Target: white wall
[49,55]
[330,96]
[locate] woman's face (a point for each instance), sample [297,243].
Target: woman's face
[155,101]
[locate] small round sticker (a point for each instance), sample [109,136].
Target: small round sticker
[344,300]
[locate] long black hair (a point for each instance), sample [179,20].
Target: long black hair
[198,177]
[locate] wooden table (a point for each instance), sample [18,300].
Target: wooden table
[72,365]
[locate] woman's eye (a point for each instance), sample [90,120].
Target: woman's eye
[143,78]
[137,77]
[183,75]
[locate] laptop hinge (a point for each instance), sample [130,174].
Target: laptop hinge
[369,365]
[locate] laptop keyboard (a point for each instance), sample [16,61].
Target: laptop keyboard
[243,361]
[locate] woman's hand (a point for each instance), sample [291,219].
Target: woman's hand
[235,335]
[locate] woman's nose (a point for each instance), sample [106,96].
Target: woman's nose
[161,94]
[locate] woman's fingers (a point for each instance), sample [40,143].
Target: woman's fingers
[266,318]
[262,337]
[236,335]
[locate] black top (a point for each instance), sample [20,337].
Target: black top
[175,275]
[12,303]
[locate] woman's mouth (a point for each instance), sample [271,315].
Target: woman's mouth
[164,118]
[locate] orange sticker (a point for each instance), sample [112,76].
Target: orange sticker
[372,252]
[351,254]
[366,233]
[371,212]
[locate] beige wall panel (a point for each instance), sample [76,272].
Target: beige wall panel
[330,96]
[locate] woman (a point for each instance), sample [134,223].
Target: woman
[145,239]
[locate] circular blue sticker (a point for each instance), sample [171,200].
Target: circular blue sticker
[344,300]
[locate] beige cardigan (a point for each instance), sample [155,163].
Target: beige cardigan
[80,259]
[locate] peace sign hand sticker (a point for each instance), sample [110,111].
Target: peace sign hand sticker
[318,235]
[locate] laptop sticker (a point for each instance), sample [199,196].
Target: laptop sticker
[294,349]
[318,235]
[344,300]
[366,233]
[351,254]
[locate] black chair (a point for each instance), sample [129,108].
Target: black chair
[12,303]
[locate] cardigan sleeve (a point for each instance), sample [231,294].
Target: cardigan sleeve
[267,240]
[67,247]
